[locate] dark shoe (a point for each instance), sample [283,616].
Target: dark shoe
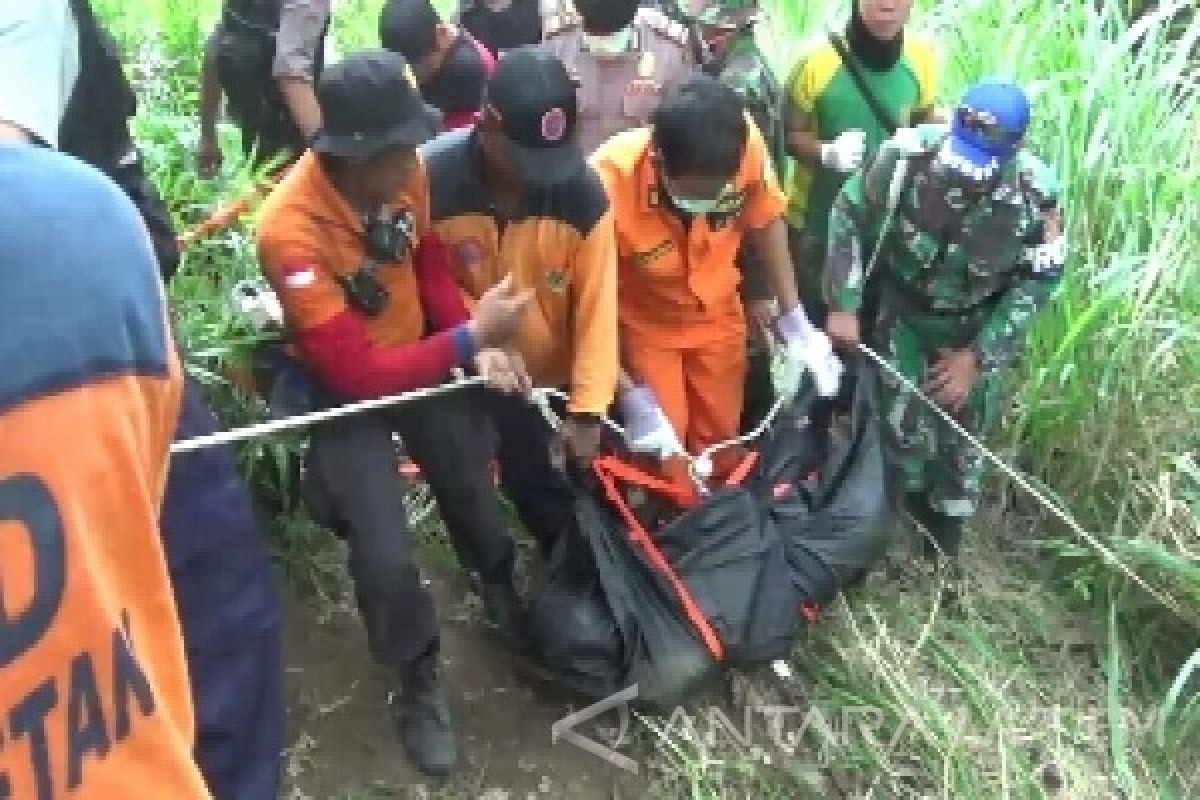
[944,535]
[425,722]
[941,535]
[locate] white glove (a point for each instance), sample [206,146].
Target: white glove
[647,429]
[907,141]
[805,349]
[845,153]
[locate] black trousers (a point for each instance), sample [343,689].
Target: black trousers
[537,489]
[353,463]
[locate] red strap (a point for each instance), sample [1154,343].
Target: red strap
[616,468]
[742,470]
[603,467]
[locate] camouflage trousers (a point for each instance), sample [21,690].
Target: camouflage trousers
[924,453]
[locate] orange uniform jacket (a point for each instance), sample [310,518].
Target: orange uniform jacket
[561,246]
[94,695]
[308,237]
[679,285]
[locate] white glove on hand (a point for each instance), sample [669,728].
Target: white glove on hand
[845,153]
[805,348]
[907,141]
[647,429]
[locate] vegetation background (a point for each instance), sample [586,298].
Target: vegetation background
[1063,676]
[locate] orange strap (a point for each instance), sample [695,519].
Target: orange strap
[630,474]
[742,470]
[608,469]
[229,213]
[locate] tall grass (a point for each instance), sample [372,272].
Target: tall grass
[1060,677]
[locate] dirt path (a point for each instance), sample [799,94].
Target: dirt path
[343,743]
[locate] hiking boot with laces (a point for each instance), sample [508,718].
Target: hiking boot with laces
[424,719]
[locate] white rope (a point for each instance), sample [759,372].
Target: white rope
[304,420]
[1021,480]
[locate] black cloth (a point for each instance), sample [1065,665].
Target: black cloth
[458,85]
[499,31]
[95,129]
[352,464]
[875,54]
[131,177]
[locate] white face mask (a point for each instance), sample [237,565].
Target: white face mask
[611,44]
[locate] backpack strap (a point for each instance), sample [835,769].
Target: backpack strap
[856,74]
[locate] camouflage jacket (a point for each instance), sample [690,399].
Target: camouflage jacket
[966,265]
[744,69]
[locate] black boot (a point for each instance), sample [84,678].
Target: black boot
[940,534]
[425,721]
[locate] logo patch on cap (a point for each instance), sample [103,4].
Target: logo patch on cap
[554,124]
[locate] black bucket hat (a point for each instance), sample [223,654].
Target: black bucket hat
[370,102]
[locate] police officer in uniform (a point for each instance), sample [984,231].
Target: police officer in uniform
[623,59]
[265,56]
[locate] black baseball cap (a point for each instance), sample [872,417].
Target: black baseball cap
[534,98]
[370,102]
[409,27]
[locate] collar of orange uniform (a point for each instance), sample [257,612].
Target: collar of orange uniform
[328,204]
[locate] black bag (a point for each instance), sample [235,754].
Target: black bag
[607,618]
[835,533]
[729,553]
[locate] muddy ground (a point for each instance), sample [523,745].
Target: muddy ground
[343,743]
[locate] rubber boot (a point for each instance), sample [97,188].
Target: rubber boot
[425,721]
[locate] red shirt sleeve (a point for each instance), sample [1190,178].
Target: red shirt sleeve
[440,297]
[344,359]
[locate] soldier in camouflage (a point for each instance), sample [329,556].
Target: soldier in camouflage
[964,228]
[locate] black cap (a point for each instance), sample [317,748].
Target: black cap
[370,102]
[409,27]
[534,97]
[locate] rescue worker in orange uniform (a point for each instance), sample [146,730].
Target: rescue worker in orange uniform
[514,195]
[623,59]
[373,310]
[686,192]
[94,684]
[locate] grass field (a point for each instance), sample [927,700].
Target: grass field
[1064,676]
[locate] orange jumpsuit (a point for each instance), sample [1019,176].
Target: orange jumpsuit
[681,324]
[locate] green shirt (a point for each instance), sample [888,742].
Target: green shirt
[821,87]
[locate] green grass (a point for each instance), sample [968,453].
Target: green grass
[1061,678]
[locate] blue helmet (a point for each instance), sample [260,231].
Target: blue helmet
[989,124]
